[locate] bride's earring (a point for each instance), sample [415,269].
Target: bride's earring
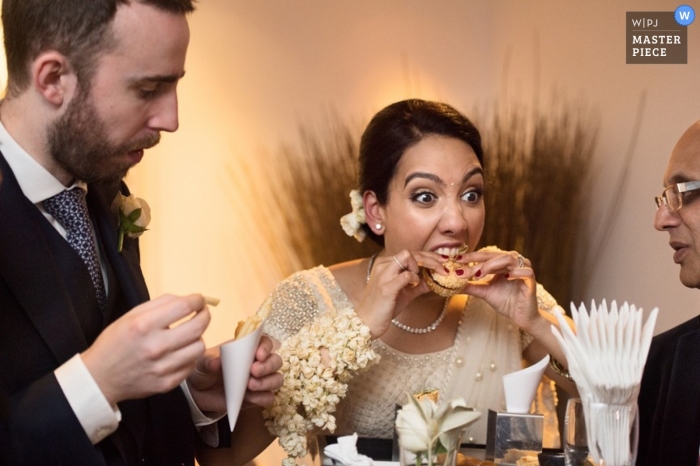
[378,226]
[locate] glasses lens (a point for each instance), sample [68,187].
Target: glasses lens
[673,198]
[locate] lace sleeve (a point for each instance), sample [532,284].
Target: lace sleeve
[546,303]
[293,304]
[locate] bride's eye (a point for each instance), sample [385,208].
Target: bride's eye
[472,196]
[424,197]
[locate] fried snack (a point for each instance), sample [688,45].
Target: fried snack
[211,301]
[246,327]
[463,460]
[430,393]
[527,460]
[251,323]
[450,284]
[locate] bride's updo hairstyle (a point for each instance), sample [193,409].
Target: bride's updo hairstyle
[398,127]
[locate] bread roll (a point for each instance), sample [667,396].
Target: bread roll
[450,284]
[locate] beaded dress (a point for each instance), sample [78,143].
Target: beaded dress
[487,346]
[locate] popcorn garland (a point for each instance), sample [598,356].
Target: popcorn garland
[312,388]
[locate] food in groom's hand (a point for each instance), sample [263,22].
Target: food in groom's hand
[210,301]
[251,323]
[450,284]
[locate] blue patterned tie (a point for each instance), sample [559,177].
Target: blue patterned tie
[70,210]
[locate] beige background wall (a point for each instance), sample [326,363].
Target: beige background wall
[257,68]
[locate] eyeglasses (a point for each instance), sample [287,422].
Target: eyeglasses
[672,196]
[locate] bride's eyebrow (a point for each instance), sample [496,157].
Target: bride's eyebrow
[429,176]
[424,175]
[474,171]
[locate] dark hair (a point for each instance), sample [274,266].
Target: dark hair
[398,127]
[79,29]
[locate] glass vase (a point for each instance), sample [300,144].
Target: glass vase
[419,447]
[613,432]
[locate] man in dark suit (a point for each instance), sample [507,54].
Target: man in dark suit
[669,401]
[92,371]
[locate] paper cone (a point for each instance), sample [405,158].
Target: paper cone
[236,358]
[521,386]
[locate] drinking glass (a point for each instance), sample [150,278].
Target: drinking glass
[613,432]
[575,439]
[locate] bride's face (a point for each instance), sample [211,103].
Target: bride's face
[435,198]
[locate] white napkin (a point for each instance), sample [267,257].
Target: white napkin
[521,386]
[345,452]
[236,358]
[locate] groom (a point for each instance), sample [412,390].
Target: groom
[92,371]
[669,401]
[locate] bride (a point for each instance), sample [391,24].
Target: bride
[357,337]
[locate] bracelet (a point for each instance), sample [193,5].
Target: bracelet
[559,369]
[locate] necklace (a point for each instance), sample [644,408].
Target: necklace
[405,327]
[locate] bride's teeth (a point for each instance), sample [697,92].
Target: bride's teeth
[451,252]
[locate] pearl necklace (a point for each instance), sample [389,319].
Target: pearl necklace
[405,327]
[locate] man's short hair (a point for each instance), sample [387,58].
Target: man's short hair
[78,29]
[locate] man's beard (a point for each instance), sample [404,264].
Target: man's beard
[79,143]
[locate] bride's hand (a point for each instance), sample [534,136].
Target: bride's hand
[394,282]
[512,291]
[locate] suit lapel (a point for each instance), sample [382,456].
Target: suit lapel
[27,266]
[127,289]
[124,265]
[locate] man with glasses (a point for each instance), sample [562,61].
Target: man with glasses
[669,401]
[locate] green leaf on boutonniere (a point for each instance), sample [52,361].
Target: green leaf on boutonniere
[134,215]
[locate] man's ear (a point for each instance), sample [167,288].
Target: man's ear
[374,212]
[53,77]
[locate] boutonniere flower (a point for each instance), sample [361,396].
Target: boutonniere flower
[134,216]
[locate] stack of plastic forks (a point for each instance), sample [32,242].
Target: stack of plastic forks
[606,358]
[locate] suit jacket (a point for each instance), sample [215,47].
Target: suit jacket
[48,314]
[669,400]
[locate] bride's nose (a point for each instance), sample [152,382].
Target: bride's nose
[453,219]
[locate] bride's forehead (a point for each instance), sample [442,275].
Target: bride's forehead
[446,166]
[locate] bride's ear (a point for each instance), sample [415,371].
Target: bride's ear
[374,213]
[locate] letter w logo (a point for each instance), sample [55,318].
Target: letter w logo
[685,15]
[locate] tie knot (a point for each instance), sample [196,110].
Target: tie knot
[69,208]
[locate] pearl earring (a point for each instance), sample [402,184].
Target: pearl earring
[378,226]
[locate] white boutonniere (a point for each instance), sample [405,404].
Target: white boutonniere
[134,215]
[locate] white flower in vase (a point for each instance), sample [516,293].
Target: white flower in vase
[429,429]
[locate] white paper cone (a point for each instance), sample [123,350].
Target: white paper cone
[236,358]
[520,386]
